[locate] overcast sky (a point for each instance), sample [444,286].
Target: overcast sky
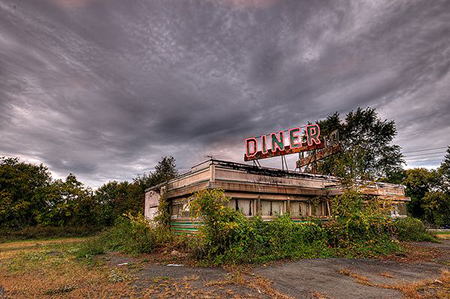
[104,89]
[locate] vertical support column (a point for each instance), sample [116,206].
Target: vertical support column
[212,172]
[288,206]
[258,206]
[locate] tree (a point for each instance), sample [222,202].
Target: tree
[116,199]
[22,189]
[437,208]
[419,182]
[165,170]
[67,202]
[366,149]
[444,173]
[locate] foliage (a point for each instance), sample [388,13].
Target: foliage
[221,223]
[227,236]
[135,234]
[437,208]
[121,198]
[165,170]
[444,173]
[360,216]
[361,224]
[430,193]
[130,234]
[366,149]
[67,203]
[412,229]
[162,217]
[30,197]
[22,191]
[117,198]
[418,182]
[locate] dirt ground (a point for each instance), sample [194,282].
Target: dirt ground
[47,269]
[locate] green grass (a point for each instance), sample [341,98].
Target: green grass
[47,233]
[442,233]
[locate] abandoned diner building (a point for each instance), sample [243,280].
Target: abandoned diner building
[262,191]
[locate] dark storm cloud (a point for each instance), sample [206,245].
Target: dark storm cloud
[105,88]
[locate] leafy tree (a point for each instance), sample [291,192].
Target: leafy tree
[366,149]
[444,173]
[418,182]
[437,208]
[430,193]
[22,186]
[116,199]
[67,202]
[165,170]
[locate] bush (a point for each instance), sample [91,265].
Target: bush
[134,235]
[229,237]
[90,248]
[412,229]
[361,228]
[130,234]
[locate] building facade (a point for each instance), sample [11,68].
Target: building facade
[265,192]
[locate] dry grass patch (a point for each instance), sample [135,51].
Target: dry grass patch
[318,295]
[423,289]
[359,278]
[415,254]
[386,274]
[50,270]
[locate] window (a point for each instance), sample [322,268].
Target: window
[272,208]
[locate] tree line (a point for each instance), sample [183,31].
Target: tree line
[29,196]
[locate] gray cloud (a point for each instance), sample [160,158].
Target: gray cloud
[105,88]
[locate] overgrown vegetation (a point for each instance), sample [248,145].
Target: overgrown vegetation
[130,234]
[412,229]
[360,228]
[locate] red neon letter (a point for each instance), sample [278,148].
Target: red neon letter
[294,138]
[277,142]
[251,151]
[312,134]
[264,144]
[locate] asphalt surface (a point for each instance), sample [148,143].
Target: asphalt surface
[315,278]
[300,279]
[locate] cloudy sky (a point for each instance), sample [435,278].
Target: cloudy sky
[105,88]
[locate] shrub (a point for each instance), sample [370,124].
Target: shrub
[130,234]
[90,248]
[360,217]
[136,235]
[361,226]
[229,237]
[412,229]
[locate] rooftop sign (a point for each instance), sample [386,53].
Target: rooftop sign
[279,144]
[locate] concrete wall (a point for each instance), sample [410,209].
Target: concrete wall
[151,204]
